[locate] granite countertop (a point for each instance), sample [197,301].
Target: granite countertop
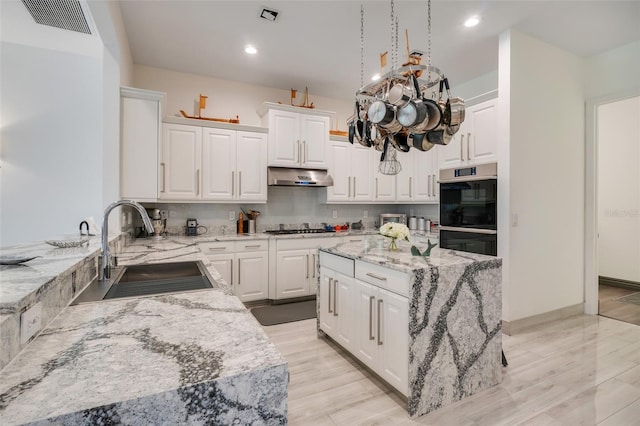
[162,352]
[402,259]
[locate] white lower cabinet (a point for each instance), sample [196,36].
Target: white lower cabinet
[243,265]
[296,265]
[368,320]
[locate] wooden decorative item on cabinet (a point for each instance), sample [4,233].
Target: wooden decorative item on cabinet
[202,105]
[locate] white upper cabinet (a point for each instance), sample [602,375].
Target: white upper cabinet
[216,164]
[417,181]
[140,130]
[180,163]
[351,167]
[297,138]
[477,140]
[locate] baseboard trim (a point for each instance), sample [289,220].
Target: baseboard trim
[616,282]
[518,326]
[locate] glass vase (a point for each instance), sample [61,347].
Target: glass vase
[393,246]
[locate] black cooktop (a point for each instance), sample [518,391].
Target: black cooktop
[297,231]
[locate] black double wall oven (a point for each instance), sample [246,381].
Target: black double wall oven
[468,209]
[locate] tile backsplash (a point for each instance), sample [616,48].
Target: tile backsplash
[286,205]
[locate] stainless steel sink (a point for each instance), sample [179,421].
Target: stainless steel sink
[146,280]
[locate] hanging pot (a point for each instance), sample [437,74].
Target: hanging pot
[378,136]
[439,136]
[454,108]
[419,141]
[351,123]
[399,141]
[432,119]
[381,113]
[399,95]
[363,132]
[412,114]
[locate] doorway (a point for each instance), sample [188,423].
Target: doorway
[612,237]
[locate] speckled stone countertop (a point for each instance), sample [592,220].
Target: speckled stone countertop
[198,358]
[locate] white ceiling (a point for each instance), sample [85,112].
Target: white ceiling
[317,43]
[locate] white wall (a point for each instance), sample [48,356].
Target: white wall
[614,71]
[226,99]
[477,90]
[546,160]
[51,135]
[619,189]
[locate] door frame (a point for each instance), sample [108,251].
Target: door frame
[591,197]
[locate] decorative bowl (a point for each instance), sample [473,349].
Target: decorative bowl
[67,243]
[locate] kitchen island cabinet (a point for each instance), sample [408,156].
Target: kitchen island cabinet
[430,327]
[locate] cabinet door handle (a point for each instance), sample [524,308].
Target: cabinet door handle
[468,143]
[349,196]
[307,266]
[163,176]
[329,298]
[233,183]
[410,188]
[379,317]
[376,188]
[354,187]
[314,265]
[299,150]
[377,277]
[231,267]
[305,153]
[461,147]
[198,182]
[239,271]
[429,186]
[433,183]
[335,298]
[371,336]
[217,248]
[239,184]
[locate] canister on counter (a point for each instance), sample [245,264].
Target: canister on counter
[413,223]
[421,224]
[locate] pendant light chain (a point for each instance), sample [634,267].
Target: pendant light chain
[361,45]
[429,40]
[393,59]
[395,49]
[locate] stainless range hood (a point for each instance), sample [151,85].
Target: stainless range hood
[285,176]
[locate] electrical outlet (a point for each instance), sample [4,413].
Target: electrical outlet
[335,214]
[232,215]
[514,220]
[30,322]
[411,212]
[365,213]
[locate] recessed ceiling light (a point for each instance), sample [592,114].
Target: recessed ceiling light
[375,77]
[472,22]
[250,50]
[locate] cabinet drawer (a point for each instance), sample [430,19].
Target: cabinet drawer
[252,245]
[340,264]
[218,247]
[380,276]
[307,243]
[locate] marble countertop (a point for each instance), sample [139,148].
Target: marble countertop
[402,259]
[143,349]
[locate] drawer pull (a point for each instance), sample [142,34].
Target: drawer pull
[355,241]
[239,270]
[217,248]
[335,298]
[314,265]
[253,246]
[307,266]
[371,336]
[379,319]
[329,298]
[377,277]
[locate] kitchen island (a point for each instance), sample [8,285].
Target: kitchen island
[183,358]
[429,326]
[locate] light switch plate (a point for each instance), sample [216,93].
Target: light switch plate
[335,214]
[365,213]
[30,322]
[232,215]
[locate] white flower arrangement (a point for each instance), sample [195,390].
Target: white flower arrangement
[395,231]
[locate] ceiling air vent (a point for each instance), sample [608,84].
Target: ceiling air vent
[65,14]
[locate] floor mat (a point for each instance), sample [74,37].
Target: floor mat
[632,298]
[287,312]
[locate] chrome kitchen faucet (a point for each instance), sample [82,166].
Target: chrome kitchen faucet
[106,254]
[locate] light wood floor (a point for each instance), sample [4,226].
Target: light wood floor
[611,307]
[580,371]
